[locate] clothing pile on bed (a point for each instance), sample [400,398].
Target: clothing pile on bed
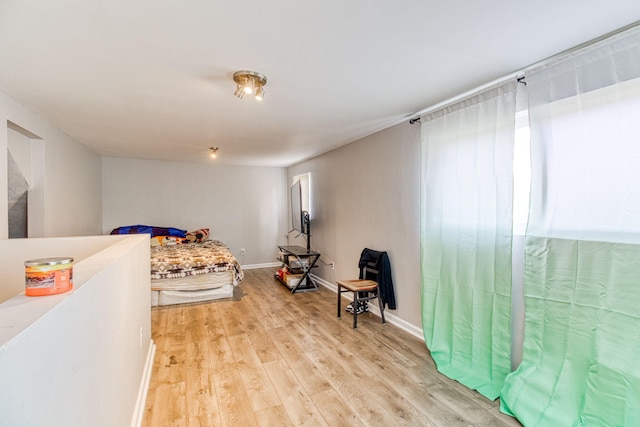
[165,236]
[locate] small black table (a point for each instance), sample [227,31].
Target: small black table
[300,261]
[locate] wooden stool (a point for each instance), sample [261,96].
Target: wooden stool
[359,287]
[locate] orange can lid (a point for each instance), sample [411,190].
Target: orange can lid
[48,261]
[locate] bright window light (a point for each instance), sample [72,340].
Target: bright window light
[521,173]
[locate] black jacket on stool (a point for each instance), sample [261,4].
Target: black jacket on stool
[380,262]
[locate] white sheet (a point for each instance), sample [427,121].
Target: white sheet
[162,298]
[182,290]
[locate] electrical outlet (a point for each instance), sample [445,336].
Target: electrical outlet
[333,265]
[243,251]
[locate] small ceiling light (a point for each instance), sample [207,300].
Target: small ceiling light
[249,82]
[259,93]
[214,152]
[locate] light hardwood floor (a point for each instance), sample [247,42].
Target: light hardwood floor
[271,358]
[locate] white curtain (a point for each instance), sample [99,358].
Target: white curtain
[467,185]
[582,259]
[585,133]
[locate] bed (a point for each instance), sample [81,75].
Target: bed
[193,272]
[187,267]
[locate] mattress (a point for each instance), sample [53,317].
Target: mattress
[194,283]
[161,298]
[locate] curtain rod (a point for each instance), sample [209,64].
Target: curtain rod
[519,75]
[520,79]
[464,95]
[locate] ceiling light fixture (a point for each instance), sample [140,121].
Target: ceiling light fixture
[249,82]
[214,152]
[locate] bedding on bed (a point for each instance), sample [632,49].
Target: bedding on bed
[190,259]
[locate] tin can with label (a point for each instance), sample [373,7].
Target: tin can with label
[48,276]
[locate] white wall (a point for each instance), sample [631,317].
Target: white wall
[79,358]
[72,176]
[73,199]
[366,194]
[243,206]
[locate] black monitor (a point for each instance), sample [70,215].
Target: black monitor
[297,222]
[299,217]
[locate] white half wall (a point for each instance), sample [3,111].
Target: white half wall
[78,358]
[16,251]
[243,206]
[71,176]
[366,194]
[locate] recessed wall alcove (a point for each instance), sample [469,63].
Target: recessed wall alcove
[25,182]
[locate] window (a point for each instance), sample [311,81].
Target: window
[521,173]
[586,174]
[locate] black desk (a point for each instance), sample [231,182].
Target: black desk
[300,261]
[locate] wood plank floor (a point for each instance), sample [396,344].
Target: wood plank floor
[270,358]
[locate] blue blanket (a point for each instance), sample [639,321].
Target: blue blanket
[149,229]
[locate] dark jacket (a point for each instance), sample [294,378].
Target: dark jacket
[380,262]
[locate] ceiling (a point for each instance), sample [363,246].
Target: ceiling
[152,79]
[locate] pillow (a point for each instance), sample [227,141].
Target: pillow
[167,240]
[198,236]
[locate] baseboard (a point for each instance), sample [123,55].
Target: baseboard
[138,413]
[264,265]
[389,317]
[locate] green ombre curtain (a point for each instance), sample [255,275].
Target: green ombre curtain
[467,182]
[581,358]
[582,336]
